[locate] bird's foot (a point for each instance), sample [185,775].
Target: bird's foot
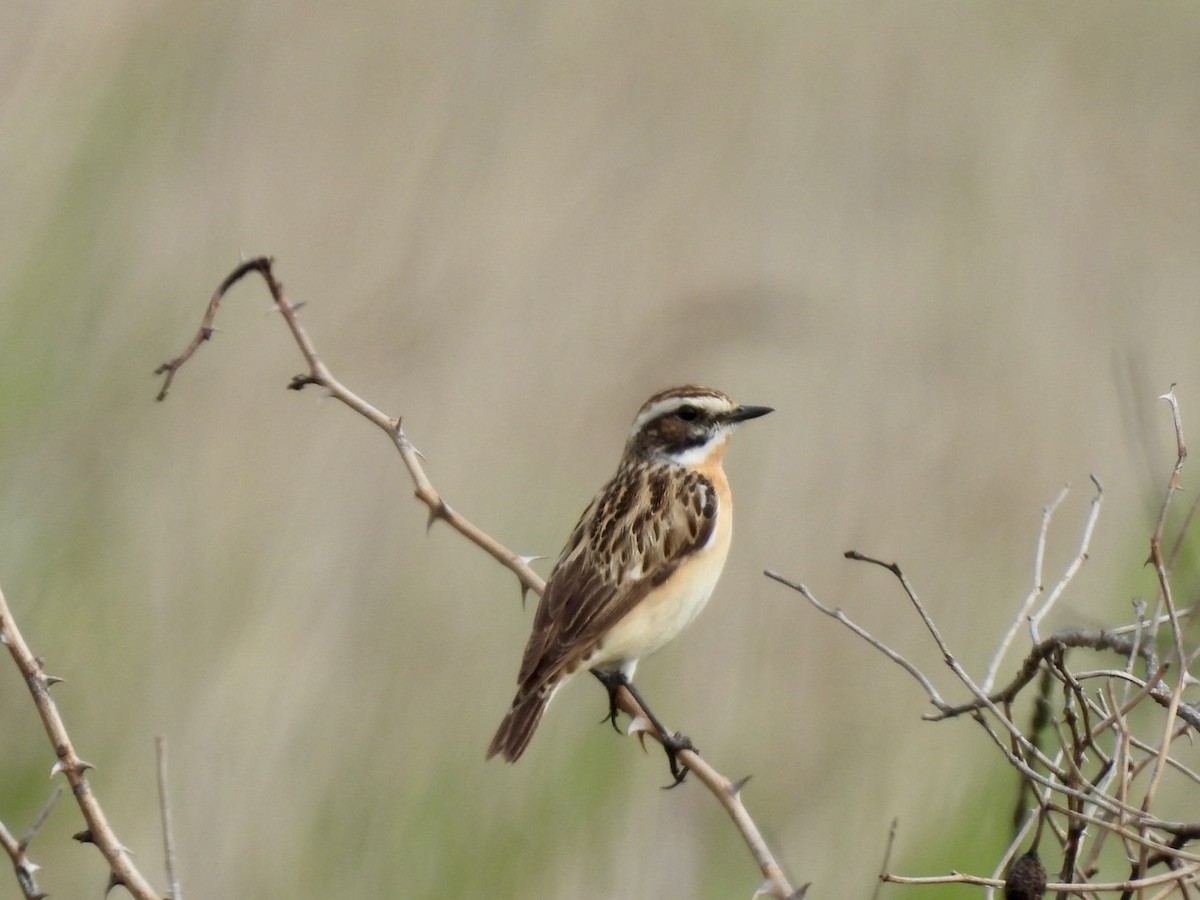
[675,743]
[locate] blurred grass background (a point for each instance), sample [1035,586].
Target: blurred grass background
[953,244]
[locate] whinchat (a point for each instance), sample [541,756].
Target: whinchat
[640,564]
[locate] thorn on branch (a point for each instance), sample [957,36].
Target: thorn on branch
[735,788]
[84,837]
[525,561]
[438,510]
[640,726]
[80,766]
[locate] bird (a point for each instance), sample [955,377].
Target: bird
[640,564]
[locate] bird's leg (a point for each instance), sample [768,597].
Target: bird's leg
[613,682]
[673,742]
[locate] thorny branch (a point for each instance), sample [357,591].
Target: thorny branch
[99,832]
[727,792]
[23,867]
[319,374]
[1094,768]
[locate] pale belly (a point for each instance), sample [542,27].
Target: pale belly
[663,615]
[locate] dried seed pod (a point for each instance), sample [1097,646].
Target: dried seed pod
[1026,879]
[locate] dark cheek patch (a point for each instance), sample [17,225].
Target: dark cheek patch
[673,435]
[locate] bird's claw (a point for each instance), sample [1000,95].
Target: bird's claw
[611,718]
[612,685]
[675,744]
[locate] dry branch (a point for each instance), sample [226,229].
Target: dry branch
[727,792]
[24,868]
[1100,778]
[164,803]
[99,832]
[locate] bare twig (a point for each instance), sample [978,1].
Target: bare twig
[726,791]
[1136,838]
[98,832]
[934,697]
[1164,582]
[40,819]
[1057,783]
[887,859]
[951,660]
[1184,528]
[1173,485]
[24,868]
[952,878]
[1092,640]
[1074,566]
[164,803]
[1035,591]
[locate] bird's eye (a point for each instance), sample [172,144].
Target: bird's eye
[688,413]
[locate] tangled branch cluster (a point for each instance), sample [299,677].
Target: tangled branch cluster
[1094,760]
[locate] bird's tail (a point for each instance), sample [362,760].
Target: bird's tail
[520,723]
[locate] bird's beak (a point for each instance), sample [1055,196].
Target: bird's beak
[742,413]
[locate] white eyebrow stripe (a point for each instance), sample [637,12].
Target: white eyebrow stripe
[703,401]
